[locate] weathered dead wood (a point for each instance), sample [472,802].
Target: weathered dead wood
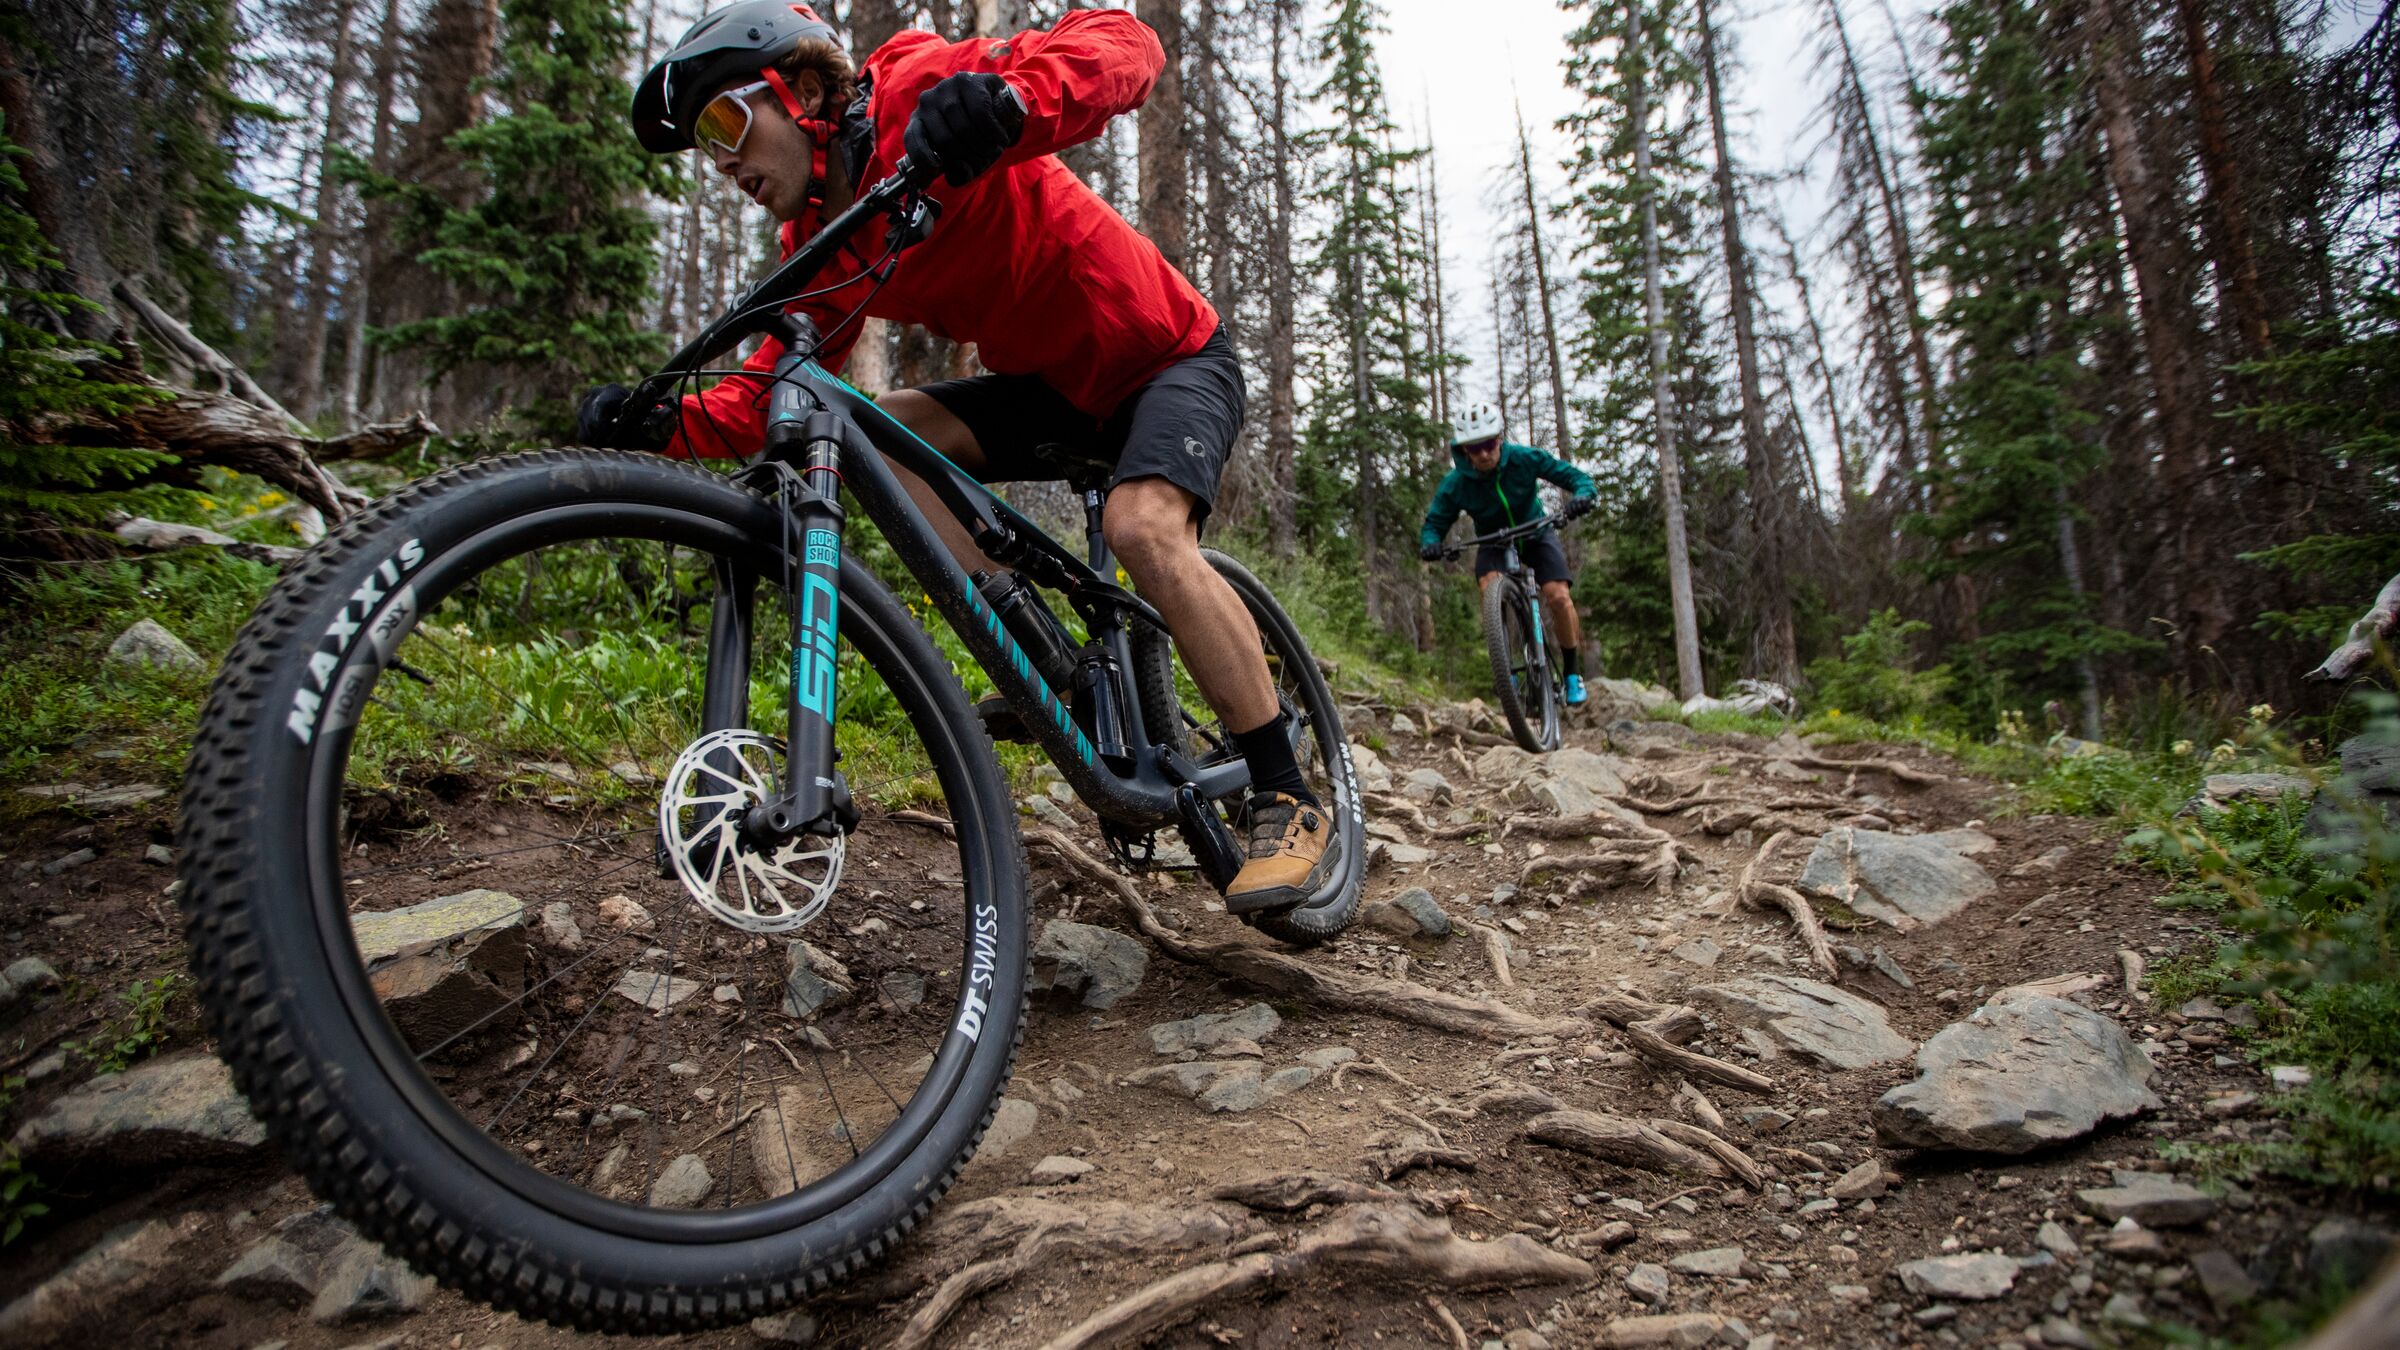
[1619,1009]
[1760,894]
[1512,1099]
[1650,1045]
[1682,803]
[377,440]
[1398,1161]
[1275,972]
[1912,776]
[1386,803]
[1701,1108]
[1676,1025]
[1724,820]
[1389,1240]
[2377,625]
[158,536]
[198,356]
[1495,951]
[2367,1322]
[1450,1326]
[1734,1160]
[1616,1139]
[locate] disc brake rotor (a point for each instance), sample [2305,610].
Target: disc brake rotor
[714,781]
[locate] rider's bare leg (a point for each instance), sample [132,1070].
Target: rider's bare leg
[1152,526]
[1558,601]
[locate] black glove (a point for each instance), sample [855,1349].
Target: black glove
[962,125]
[1430,552]
[1577,508]
[606,419]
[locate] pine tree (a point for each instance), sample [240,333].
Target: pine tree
[557,253]
[43,481]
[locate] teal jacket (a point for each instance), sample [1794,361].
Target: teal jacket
[1503,497]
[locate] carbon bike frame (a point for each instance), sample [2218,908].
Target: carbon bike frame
[1513,565]
[819,428]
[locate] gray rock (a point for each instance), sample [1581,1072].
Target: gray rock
[444,965]
[1403,725]
[901,989]
[1596,774]
[159,855]
[168,1112]
[1403,855]
[1863,1182]
[2219,790]
[1723,1263]
[1373,774]
[68,862]
[654,989]
[1816,1021]
[362,1284]
[1423,911]
[1700,951]
[1013,1122]
[2223,1279]
[2346,1251]
[1327,1056]
[2151,1199]
[1765,1119]
[2061,1332]
[1898,877]
[2123,1309]
[1057,1169]
[28,973]
[2053,1238]
[1100,964]
[2022,1072]
[1225,1085]
[813,981]
[2370,764]
[791,1328]
[290,1264]
[1891,969]
[121,798]
[1649,1283]
[681,1184]
[97,1285]
[1981,1275]
[1504,764]
[559,928]
[147,644]
[1209,1030]
[1426,785]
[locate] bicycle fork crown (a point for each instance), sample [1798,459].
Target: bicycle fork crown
[715,782]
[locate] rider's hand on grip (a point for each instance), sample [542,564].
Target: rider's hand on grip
[607,419]
[964,124]
[1578,507]
[1430,552]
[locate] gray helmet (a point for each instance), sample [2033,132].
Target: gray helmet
[736,42]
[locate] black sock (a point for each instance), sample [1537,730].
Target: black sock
[1574,659]
[1272,767]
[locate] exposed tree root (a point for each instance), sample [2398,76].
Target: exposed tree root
[1912,777]
[1275,972]
[1292,1192]
[1512,1099]
[1701,1108]
[1495,951]
[1628,1143]
[1368,1066]
[1725,820]
[1386,803]
[1759,894]
[1039,1229]
[1393,1241]
[1659,1050]
[1450,1326]
[1401,1159]
[1748,1172]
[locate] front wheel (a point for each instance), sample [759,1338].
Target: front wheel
[1323,750]
[1522,677]
[427,902]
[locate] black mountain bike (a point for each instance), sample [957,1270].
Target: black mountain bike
[564,980]
[1528,669]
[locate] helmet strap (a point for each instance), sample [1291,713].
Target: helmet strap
[821,133]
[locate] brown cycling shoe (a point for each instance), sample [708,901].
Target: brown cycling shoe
[1292,851]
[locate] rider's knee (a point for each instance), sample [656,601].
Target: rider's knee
[1556,590]
[1149,524]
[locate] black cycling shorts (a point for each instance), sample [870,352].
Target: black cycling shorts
[1180,426]
[1540,552]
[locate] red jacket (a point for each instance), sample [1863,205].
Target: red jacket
[1027,263]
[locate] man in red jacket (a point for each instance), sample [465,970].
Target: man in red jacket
[1098,342]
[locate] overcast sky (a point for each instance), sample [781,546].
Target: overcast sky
[1480,52]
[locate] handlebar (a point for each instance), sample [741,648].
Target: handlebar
[759,307]
[1510,535]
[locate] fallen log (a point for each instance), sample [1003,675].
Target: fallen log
[2378,625]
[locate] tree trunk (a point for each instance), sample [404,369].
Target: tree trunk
[1165,157]
[316,298]
[1541,281]
[1282,401]
[1662,390]
[1773,649]
[1816,339]
[372,241]
[2237,262]
[1437,319]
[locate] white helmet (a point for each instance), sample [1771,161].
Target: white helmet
[1480,422]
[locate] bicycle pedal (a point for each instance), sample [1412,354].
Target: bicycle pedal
[1002,722]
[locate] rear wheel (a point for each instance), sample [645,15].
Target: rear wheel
[1170,700]
[1522,674]
[421,837]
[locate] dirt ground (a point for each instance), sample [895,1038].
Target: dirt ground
[1820,1278]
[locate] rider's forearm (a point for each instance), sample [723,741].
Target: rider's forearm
[1095,64]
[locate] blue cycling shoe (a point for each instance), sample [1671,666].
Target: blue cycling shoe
[1574,691]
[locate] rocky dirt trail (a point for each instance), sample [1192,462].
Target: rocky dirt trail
[1587,1072]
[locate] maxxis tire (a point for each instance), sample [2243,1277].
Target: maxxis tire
[312,1067]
